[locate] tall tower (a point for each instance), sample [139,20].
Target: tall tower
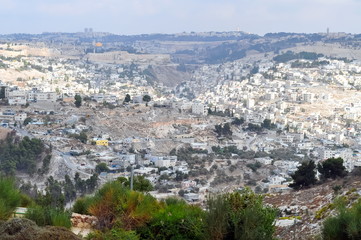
[328,31]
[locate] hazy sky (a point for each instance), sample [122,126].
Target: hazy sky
[173,16]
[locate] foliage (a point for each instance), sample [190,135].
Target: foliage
[125,214]
[146,98]
[345,225]
[227,151]
[322,212]
[127,98]
[225,113]
[44,216]
[45,167]
[239,215]
[304,176]
[216,221]
[115,204]
[101,167]
[78,100]
[238,121]
[332,168]
[140,183]
[289,55]
[223,130]
[82,136]
[113,234]
[10,197]
[186,154]
[53,197]
[313,64]
[254,127]
[85,186]
[69,189]
[254,166]
[268,124]
[82,204]
[177,220]
[27,121]
[285,154]
[22,155]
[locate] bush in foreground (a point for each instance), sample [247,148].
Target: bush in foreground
[10,197]
[345,225]
[125,214]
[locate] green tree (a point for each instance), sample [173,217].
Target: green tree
[2,92]
[85,186]
[91,183]
[78,100]
[10,197]
[223,130]
[267,124]
[101,167]
[140,183]
[27,121]
[20,155]
[238,121]
[146,98]
[332,168]
[304,176]
[82,137]
[69,189]
[54,196]
[127,98]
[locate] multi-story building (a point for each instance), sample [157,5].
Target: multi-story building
[17,98]
[199,109]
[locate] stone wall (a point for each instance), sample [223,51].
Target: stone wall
[83,221]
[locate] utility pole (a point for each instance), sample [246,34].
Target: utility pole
[131,178]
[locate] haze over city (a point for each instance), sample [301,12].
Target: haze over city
[171,16]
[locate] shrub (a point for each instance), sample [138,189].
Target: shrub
[113,234]
[44,216]
[239,215]
[81,205]
[10,197]
[177,220]
[114,203]
[345,225]
[60,219]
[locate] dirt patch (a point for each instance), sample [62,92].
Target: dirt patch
[24,229]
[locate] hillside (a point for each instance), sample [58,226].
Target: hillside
[311,206]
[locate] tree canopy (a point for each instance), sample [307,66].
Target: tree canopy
[127,98]
[305,175]
[332,168]
[223,130]
[146,98]
[20,155]
[140,183]
[78,100]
